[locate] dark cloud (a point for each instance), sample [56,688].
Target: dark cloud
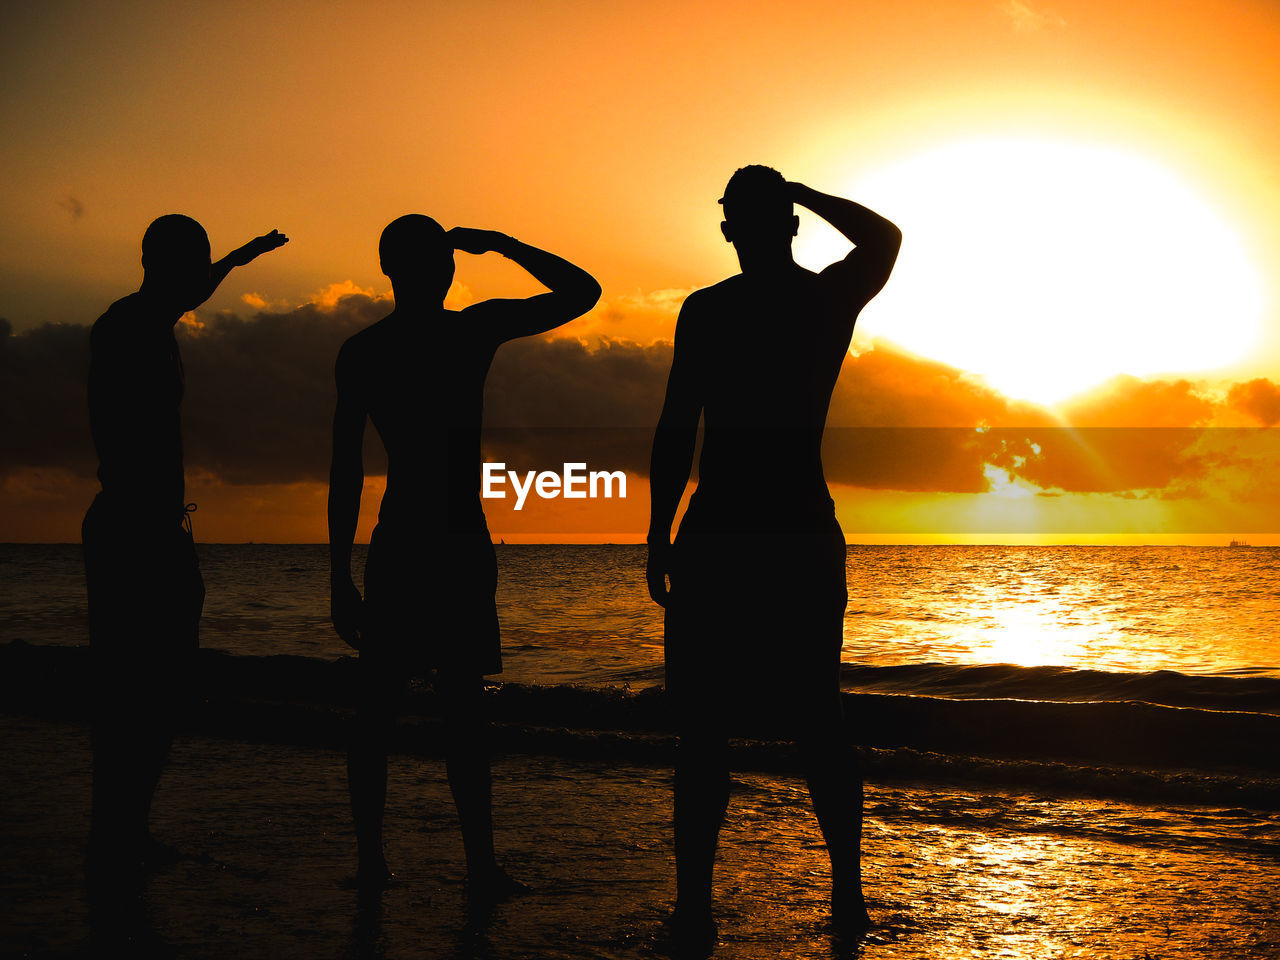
[564,383]
[260,393]
[897,421]
[43,417]
[260,400]
[1106,460]
[923,459]
[901,422]
[558,401]
[1258,398]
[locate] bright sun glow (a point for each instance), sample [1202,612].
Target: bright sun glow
[1049,267]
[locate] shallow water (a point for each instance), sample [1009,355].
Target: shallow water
[997,858]
[949,872]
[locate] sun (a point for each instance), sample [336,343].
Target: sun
[1048,267]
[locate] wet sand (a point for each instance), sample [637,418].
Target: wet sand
[950,873]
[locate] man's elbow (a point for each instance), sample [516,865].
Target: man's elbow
[892,236]
[587,297]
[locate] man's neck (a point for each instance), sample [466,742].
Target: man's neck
[163,308]
[417,302]
[766,265]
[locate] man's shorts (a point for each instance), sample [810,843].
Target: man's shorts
[755,622]
[145,598]
[429,604]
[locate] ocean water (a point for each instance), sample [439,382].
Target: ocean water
[580,613]
[1070,752]
[1151,658]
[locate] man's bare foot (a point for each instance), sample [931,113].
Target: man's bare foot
[156,855]
[373,874]
[492,887]
[693,932]
[120,866]
[849,917]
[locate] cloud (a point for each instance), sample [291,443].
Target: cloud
[640,317]
[885,386]
[922,459]
[1127,401]
[328,298]
[260,394]
[896,421]
[1164,461]
[901,422]
[258,404]
[260,398]
[43,417]
[1260,399]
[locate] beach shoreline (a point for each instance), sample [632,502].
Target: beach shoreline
[950,873]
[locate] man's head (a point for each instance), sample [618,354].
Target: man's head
[416,254]
[176,261]
[758,213]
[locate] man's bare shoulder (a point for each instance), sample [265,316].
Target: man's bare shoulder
[726,289]
[709,301]
[377,336]
[122,323]
[363,350]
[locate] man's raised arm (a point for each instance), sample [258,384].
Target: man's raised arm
[573,290]
[346,483]
[673,445]
[241,256]
[876,240]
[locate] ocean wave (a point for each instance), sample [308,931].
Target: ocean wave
[1114,748]
[1239,692]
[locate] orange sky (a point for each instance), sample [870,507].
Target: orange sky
[604,133]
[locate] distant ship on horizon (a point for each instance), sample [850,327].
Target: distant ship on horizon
[1238,543]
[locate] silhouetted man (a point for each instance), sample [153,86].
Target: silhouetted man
[755,608]
[431,572]
[144,584]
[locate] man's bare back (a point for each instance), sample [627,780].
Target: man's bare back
[431,574]
[420,379]
[756,600]
[770,352]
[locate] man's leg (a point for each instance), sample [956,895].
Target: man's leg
[835,787]
[143,653]
[696,691]
[466,732]
[467,764]
[701,799]
[130,739]
[131,736]
[378,699]
[817,573]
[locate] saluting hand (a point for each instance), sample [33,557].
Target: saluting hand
[471,240]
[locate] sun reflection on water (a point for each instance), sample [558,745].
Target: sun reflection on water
[1127,609]
[1027,635]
